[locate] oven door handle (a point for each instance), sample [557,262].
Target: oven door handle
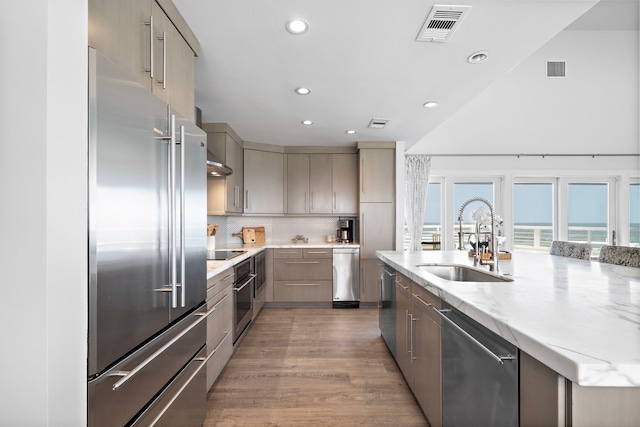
[251,277]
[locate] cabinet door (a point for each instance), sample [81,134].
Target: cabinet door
[117,30]
[235,190]
[377,228]
[320,183]
[427,384]
[345,183]
[263,182]
[377,175]
[370,280]
[298,183]
[173,66]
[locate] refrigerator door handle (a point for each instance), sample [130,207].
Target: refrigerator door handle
[182,219]
[172,213]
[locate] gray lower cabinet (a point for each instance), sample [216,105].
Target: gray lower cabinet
[303,275]
[418,347]
[219,323]
[426,354]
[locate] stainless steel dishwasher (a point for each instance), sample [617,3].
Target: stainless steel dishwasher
[387,307]
[346,278]
[479,374]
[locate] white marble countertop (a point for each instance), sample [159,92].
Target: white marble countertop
[216,267]
[580,318]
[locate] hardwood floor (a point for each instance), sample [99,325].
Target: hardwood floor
[313,367]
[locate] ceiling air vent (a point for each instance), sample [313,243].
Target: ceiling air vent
[556,69]
[378,123]
[441,23]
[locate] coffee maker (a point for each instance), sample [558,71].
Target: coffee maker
[346,231]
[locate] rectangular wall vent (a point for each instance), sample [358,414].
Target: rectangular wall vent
[556,69]
[378,123]
[441,23]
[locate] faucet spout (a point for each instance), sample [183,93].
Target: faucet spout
[494,243]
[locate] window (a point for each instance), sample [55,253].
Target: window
[634,213]
[463,191]
[587,214]
[533,216]
[432,229]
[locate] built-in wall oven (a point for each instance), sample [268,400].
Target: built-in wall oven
[242,297]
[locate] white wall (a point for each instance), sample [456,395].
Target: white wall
[43,255]
[595,109]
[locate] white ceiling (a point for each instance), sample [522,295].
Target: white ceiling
[361,61]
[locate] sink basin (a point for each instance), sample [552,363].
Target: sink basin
[462,273]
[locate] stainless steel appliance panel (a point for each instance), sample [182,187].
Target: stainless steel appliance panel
[183,402]
[479,374]
[242,297]
[346,277]
[260,271]
[388,307]
[128,215]
[145,372]
[191,215]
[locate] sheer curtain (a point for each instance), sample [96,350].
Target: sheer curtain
[417,168]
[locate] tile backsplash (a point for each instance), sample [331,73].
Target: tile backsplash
[277,229]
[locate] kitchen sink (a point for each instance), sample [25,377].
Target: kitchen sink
[462,273]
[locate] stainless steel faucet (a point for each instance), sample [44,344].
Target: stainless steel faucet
[493,264]
[301,238]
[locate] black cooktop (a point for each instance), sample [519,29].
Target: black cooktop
[223,255]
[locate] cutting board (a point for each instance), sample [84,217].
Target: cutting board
[252,234]
[248,235]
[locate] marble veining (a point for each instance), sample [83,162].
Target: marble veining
[580,318]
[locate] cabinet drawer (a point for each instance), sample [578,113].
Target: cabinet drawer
[222,346]
[317,253]
[303,269]
[302,291]
[425,301]
[287,253]
[403,283]
[218,282]
[216,322]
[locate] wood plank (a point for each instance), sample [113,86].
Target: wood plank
[313,366]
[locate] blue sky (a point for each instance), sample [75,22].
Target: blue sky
[533,203]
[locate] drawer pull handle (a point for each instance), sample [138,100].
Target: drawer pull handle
[302,284]
[421,300]
[302,262]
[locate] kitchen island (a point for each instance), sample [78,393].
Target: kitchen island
[579,319]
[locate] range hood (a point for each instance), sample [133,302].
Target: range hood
[215,167]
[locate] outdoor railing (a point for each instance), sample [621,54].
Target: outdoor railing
[535,238]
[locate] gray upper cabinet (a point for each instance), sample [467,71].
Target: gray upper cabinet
[225,195]
[322,183]
[263,182]
[345,183]
[298,183]
[377,175]
[309,189]
[131,32]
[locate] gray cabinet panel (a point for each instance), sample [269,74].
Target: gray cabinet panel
[377,175]
[263,182]
[345,183]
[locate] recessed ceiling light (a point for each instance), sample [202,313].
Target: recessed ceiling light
[474,58]
[297,26]
[303,91]
[307,122]
[430,104]
[351,132]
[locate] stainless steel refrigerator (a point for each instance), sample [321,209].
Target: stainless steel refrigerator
[147,262]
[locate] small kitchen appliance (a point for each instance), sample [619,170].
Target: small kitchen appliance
[345,230]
